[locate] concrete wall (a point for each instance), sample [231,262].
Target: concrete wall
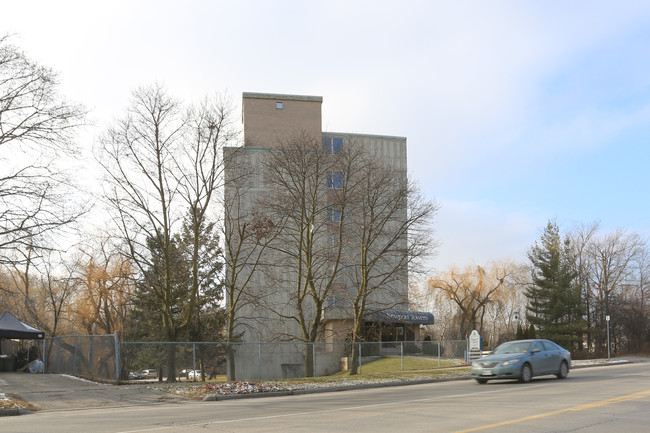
[285,360]
[270,119]
[265,126]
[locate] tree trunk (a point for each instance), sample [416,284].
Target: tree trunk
[230,365]
[309,359]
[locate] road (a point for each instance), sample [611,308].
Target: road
[595,400]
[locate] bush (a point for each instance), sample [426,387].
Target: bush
[430,348]
[411,348]
[371,349]
[22,359]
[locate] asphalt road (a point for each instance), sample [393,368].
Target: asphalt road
[60,392]
[596,400]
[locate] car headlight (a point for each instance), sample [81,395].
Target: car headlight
[510,362]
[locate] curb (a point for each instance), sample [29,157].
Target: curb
[14,412]
[604,364]
[221,397]
[224,397]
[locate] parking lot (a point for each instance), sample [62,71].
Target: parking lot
[57,392]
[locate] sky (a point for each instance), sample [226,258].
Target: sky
[515,112]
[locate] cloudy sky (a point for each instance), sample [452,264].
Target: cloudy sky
[516,112]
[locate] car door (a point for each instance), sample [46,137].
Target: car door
[551,361]
[539,359]
[554,355]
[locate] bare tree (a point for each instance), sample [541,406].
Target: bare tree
[611,270]
[388,234]
[200,173]
[138,156]
[581,237]
[298,172]
[106,284]
[635,324]
[472,291]
[247,234]
[507,313]
[162,163]
[36,130]
[43,290]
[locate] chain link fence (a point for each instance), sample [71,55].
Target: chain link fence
[89,356]
[104,357]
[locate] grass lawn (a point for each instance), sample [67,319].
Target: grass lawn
[394,365]
[383,368]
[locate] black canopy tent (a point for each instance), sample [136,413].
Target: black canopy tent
[10,327]
[398,325]
[13,329]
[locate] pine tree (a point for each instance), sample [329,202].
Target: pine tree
[530,332]
[554,303]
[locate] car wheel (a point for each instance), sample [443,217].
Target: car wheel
[526,374]
[482,381]
[563,372]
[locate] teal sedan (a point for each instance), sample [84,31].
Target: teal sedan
[521,360]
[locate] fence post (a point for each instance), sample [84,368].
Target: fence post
[44,355]
[401,354]
[438,354]
[259,345]
[194,361]
[74,359]
[58,357]
[92,356]
[360,358]
[117,358]
[313,351]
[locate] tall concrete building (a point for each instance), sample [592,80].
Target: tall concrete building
[267,310]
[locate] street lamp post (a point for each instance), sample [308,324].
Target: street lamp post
[608,345]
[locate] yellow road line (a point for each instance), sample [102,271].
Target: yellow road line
[628,397]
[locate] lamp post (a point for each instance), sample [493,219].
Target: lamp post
[516,317]
[608,346]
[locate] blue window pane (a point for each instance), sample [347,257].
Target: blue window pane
[332,145]
[327,145]
[333,215]
[337,145]
[335,180]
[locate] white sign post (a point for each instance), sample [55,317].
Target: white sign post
[474,340]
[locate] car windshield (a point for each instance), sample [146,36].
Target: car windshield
[512,347]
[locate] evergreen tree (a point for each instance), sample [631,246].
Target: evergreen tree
[200,245]
[208,319]
[520,332]
[153,304]
[554,308]
[530,332]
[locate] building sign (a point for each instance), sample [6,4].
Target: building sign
[396,316]
[474,340]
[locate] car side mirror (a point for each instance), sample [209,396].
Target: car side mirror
[534,351]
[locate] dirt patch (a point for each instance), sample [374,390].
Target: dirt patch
[15,401]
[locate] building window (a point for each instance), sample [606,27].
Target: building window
[335,302]
[333,215]
[333,240]
[335,180]
[279,105]
[332,145]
